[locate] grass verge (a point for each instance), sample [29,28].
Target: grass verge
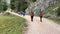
[55,20]
[11,24]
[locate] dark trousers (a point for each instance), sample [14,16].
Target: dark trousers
[41,18]
[31,18]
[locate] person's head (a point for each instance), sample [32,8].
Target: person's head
[31,12]
[40,11]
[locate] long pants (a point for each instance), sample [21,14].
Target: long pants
[31,18]
[41,18]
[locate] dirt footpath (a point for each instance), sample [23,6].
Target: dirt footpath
[37,27]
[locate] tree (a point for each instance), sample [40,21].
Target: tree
[12,4]
[5,7]
[58,12]
[22,6]
[33,0]
[19,5]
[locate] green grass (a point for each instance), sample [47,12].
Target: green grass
[55,20]
[11,24]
